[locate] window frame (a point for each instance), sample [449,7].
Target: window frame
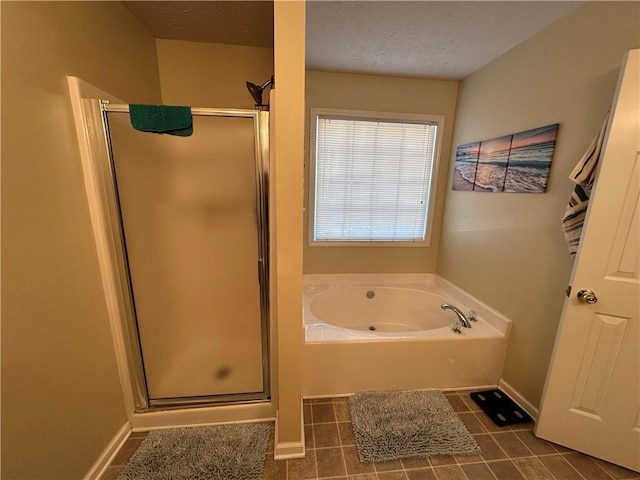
[364,115]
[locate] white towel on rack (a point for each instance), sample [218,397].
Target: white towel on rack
[583,176]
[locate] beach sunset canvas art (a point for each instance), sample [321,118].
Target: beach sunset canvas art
[518,163]
[464,173]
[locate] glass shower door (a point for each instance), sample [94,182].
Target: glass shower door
[189,221]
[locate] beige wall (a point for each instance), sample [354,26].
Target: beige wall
[508,249]
[61,397]
[211,74]
[383,94]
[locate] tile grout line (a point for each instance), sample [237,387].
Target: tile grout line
[543,466]
[490,433]
[344,461]
[574,468]
[315,443]
[482,460]
[521,442]
[375,472]
[315,446]
[580,473]
[500,447]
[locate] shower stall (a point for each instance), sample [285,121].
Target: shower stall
[186,223]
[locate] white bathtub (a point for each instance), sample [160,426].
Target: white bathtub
[399,338]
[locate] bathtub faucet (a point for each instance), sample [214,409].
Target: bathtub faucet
[463,319]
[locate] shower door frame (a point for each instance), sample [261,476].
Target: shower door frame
[129,330]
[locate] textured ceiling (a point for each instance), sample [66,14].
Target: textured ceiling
[429,39]
[447,40]
[233,22]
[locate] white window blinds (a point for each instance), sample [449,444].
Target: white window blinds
[372,180]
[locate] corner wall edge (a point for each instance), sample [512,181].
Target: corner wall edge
[519,399]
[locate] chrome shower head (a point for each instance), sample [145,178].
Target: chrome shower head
[256,91]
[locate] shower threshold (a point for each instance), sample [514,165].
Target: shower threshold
[204,401]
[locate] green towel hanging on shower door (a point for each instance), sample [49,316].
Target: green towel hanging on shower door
[174,120]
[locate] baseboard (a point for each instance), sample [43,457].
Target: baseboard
[466,389]
[320,397]
[519,399]
[105,458]
[288,450]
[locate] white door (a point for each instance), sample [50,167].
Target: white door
[591,401]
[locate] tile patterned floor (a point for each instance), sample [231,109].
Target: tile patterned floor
[508,453]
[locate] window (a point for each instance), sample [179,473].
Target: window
[371,177]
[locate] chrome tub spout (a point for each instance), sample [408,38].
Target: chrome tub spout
[463,319]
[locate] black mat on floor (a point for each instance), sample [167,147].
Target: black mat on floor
[500,408]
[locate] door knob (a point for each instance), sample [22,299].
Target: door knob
[587,296]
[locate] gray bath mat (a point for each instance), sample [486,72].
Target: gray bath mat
[392,425]
[219,452]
